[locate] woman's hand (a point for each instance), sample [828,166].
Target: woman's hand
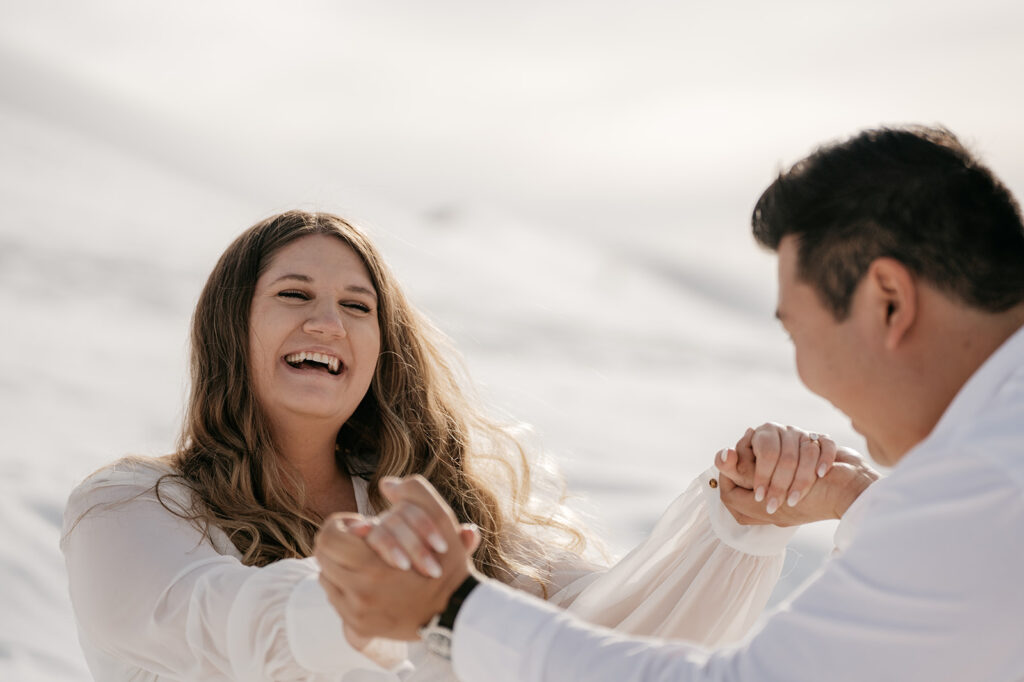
[828,498]
[405,536]
[780,464]
[371,596]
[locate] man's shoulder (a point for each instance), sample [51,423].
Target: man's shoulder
[987,437]
[996,436]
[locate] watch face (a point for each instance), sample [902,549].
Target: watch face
[439,641]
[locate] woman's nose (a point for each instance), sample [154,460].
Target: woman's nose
[326,319]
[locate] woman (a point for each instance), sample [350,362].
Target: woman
[313,378]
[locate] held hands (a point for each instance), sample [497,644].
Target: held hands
[785,476]
[382,598]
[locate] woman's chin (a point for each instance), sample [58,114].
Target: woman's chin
[308,409]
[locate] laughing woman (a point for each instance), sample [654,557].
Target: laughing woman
[312,378]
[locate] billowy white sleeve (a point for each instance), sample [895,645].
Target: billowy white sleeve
[150,592]
[699,576]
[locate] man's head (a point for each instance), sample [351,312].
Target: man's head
[887,242]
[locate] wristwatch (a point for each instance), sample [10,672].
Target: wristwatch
[437,633]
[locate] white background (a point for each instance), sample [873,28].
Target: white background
[564,186]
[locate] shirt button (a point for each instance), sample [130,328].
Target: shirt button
[713,483]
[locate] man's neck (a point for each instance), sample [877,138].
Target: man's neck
[952,349]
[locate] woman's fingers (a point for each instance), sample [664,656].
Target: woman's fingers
[738,501]
[470,536]
[829,450]
[805,475]
[417,490]
[412,534]
[401,538]
[767,446]
[386,545]
[785,469]
[817,455]
[340,540]
[418,521]
[725,461]
[738,463]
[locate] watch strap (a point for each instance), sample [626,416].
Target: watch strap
[447,617]
[437,634]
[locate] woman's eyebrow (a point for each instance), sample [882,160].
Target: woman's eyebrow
[354,288]
[358,289]
[292,275]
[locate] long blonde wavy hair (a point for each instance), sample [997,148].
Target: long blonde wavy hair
[417,417]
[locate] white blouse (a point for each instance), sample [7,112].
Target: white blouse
[154,600]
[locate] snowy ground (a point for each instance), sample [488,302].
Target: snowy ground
[621,307]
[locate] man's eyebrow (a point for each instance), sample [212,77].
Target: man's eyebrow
[354,288]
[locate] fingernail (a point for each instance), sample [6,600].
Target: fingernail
[438,543]
[388,482]
[822,470]
[794,497]
[356,524]
[723,454]
[433,568]
[773,506]
[402,561]
[759,493]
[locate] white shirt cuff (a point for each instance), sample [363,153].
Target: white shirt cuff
[484,647]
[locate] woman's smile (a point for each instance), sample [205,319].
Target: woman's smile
[314,333]
[313,360]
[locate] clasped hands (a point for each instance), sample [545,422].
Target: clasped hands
[387,576]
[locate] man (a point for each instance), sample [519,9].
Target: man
[901,284]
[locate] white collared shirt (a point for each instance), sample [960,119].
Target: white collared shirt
[928,583]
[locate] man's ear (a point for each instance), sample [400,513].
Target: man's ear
[893,294]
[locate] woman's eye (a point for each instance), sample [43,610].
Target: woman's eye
[353,305]
[294,294]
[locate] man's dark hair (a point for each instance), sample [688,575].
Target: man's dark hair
[914,194]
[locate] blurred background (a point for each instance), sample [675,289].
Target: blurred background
[563,186]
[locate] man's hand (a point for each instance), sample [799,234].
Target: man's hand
[373,598]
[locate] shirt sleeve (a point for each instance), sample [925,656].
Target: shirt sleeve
[149,590]
[929,590]
[699,576]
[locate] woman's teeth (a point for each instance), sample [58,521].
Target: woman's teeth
[332,363]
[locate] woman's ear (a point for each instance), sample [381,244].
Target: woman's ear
[893,294]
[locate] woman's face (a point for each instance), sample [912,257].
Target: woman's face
[314,338]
